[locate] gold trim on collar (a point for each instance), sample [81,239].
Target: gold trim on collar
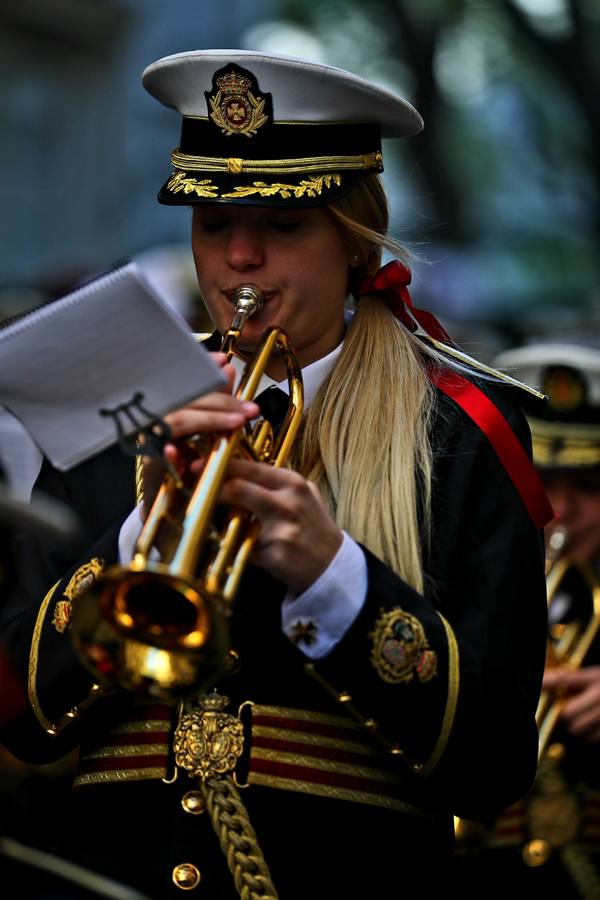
[236,166]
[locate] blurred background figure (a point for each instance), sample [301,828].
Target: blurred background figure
[551,840]
[31,797]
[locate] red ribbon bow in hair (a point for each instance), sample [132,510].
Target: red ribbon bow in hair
[391,282]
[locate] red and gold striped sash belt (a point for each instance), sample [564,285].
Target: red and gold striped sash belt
[510,827]
[292,749]
[135,749]
[323,755]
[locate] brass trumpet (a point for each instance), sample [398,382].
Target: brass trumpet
[569,641]
[161,627]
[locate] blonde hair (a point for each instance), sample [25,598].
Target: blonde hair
[365,441]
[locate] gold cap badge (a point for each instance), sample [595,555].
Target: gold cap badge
[234,104]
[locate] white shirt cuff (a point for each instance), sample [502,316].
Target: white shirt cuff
[129,533]
[318,619]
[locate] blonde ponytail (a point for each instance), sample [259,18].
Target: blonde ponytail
[365,441]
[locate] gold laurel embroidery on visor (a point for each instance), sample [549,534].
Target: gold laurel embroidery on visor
[205,188]
[235,165]
[311,187]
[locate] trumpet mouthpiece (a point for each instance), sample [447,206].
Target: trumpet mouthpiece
[247,299]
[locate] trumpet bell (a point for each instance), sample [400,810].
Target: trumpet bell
[151,632]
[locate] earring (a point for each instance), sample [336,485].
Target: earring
[354,259]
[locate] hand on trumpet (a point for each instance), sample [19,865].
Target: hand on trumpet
[298,537]
[217,411]
[581,691]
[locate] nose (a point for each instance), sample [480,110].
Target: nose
[245,247]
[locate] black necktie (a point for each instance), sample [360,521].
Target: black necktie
[273,404]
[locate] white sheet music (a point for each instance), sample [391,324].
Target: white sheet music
[19,456]
[95,348]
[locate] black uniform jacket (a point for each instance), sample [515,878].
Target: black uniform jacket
[434,694]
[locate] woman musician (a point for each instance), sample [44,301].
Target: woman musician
[388,638]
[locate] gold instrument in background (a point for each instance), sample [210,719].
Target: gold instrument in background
[569,641]
[161,627]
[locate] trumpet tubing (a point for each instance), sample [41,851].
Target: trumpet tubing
[161,627]
[569,641]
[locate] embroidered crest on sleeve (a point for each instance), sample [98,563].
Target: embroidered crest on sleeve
[400,648]
[81,580]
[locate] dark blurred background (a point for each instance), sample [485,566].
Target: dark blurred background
[498,197]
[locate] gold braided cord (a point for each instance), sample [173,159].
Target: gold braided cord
[139,479]
[582,871]
[238,839]
[237,166]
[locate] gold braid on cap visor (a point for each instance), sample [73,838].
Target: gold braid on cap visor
[236,166]
[556,445]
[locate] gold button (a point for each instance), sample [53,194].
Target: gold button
[556,752]
[235,165]
[186,876]
[193,802]
[536,853]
